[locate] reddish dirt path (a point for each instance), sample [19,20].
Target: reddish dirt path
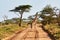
[36,33]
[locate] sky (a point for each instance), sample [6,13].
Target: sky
[37,5]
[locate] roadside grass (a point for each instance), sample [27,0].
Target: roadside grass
[54,29]
[8,30]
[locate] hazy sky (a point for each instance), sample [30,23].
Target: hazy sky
[37,5]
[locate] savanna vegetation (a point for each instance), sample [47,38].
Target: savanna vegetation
[11,28]
[14,25]
[49,16]
[51,21]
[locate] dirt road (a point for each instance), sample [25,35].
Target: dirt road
[36,33]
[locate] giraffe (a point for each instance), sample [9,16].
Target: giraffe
[34,21]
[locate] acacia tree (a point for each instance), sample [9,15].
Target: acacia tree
[21,9]
[47,14]
[58,15]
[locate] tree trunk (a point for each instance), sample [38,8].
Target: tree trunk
[21,13]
